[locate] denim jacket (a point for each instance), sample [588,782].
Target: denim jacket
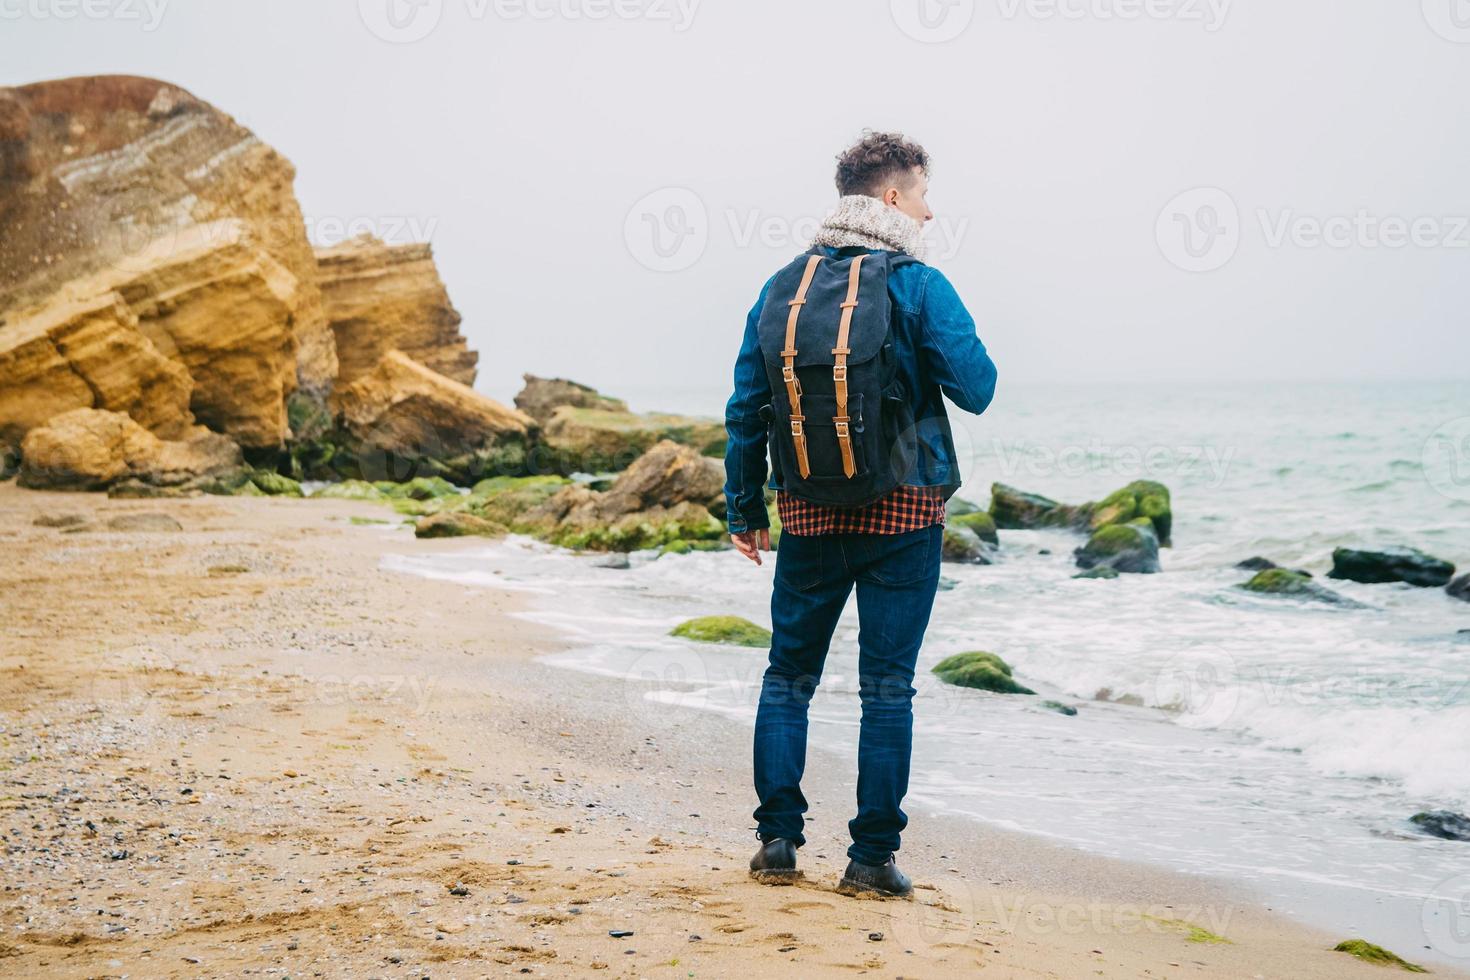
[938,351]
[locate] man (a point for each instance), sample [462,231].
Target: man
[889,550]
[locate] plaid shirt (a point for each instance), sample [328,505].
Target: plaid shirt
[906,508]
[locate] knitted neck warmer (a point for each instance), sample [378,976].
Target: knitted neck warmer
[868,222]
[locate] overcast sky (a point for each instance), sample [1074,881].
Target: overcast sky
[1126,190]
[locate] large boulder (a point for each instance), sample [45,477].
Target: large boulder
[1141,498]
[982,670]
[1014,509]
[542,396]
[87,353]
[1390,565]
[667,495]
[592,440]
[91,449]
[402,420]
[98,175]
[964,547]
[379,297]
[1017,509]
[1131,547]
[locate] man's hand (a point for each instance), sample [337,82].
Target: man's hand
[752,543]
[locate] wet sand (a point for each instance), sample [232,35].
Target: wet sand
[243,747]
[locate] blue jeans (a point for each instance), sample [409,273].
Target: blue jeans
[896,577]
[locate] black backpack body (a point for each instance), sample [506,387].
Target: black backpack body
[841,427]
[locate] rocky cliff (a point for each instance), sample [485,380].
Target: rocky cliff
[380,297]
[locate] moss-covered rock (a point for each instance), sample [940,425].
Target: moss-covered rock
[419,488]
[1019,510]
[592,440]
[1060,708]
[963,546]
[982,670]
[1377,955]
[457,524]
[1444,824]
[1390,565]
[1139,499]
[728,630]
[1298,585]
[978,521]
[505,499]
[274,484]
[350,490]
[1130,547]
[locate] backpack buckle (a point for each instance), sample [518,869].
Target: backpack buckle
[796,425]
[841,423]
[839,372]
[788,374]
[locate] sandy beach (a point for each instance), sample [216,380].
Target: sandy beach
[241,747]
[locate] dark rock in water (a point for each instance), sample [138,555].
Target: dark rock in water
[1459,588]
[1101,571]
[1141,499]
[1256,564]
[1059,708]
[1443,823]
[1283,581]
[1390,565]
[982,670]
[1130,547]
[614,559]
[144,522]
[1017,509]
[963,546]
[947,584]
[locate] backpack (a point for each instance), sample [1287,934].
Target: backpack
[840,424]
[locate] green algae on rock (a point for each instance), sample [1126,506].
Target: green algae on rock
[728,630]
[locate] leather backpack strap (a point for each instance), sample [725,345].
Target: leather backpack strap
[788,369]
[839,367]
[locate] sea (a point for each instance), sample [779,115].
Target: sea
[1277,743]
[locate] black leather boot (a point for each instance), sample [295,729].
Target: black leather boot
[775,862]
[885,879]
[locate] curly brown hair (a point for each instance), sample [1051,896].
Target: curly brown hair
[878,161]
